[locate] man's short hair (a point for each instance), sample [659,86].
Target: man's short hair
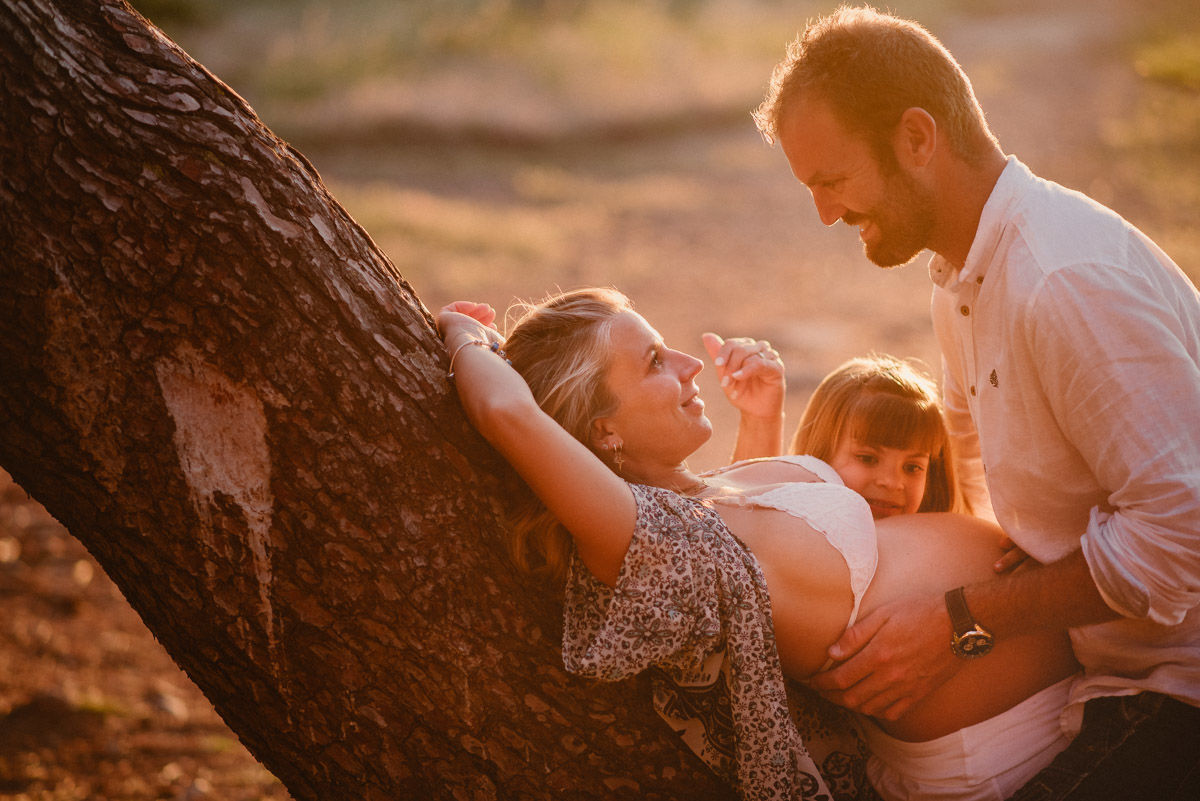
[870,68]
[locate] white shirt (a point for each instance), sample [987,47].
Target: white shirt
[1071,347]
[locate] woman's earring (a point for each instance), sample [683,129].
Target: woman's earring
[618,457]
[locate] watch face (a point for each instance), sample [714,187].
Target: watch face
[973,643]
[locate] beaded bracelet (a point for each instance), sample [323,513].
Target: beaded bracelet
[494,347]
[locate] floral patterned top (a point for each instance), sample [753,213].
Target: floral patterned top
[691,605]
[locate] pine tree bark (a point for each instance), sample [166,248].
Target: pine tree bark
[213,378]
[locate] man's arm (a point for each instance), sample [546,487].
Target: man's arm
[902,651]
[1120,355]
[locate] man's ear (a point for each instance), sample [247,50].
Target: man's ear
[915,139]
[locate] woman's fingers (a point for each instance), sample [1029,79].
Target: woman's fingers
[762,360]
[741,357]
[712,344]
[478,311]
[453,314]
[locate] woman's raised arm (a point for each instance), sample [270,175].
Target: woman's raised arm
[591,502]
[752,377]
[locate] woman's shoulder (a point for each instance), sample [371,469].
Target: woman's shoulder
[659,508]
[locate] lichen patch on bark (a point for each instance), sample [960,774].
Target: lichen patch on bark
[220,437]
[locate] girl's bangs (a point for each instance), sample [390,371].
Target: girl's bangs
[884,420]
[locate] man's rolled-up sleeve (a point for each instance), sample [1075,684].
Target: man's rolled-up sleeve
[1121,364]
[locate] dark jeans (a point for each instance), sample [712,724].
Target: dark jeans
[1143,747]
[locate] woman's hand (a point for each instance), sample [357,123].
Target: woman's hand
[475,320]
[751,374]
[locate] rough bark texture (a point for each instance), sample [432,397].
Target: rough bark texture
[212,377]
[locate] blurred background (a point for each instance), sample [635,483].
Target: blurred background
[503,149]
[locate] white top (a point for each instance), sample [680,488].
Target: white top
[828,506]
[1071,348]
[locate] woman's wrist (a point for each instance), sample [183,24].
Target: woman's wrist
[493,346]
[763,421]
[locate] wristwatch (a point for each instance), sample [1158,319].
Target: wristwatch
[970,639]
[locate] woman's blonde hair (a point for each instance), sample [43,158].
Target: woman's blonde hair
[560,346]
[884,402]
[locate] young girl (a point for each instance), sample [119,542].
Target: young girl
[878,422]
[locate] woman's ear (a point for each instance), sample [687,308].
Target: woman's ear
[601,435]
[915,139]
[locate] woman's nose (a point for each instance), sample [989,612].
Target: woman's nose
[690,366]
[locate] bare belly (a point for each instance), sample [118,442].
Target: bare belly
[919,555]
[927,555]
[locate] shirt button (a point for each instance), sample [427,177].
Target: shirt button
[965,310]
[972,390]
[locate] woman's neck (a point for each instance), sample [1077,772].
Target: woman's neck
[677,478]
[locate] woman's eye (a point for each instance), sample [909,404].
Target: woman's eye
[656,359]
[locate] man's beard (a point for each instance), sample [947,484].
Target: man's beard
[903,221]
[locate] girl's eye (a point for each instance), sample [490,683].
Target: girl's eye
[866,458]
[915,468]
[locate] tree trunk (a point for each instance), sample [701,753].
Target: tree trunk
[213,378]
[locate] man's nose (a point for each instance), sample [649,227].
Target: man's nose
[828,207]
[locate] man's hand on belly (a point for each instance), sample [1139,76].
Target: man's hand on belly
[891,659]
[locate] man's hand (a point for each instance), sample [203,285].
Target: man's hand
[1013,557]
[891,659]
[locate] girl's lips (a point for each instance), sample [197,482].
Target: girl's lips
[883,508]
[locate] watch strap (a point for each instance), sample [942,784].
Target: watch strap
[960,617]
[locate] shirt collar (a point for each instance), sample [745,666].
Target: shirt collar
[1009,188]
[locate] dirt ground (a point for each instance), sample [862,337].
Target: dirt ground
[703,227]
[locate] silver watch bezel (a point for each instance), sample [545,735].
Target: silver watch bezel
[975,642]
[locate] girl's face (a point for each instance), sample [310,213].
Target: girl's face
[660,418]
[891,479]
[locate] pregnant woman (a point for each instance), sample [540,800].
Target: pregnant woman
[724,583]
